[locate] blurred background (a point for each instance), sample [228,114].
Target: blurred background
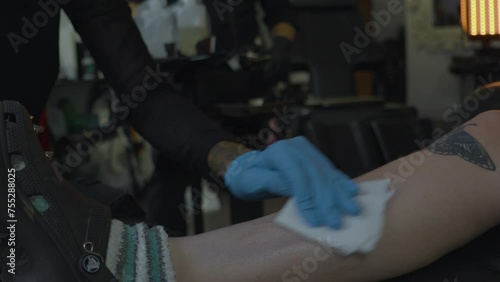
[367,81]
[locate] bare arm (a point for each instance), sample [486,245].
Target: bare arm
[444,203]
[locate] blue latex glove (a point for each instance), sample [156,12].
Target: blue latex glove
[295,168]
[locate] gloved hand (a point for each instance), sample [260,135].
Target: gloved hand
[295,168]
[278,68]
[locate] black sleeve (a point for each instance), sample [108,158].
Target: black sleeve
[168,121]
[279,11]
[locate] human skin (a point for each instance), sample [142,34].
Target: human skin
[445,203]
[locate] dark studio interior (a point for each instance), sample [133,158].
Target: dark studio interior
[207,119]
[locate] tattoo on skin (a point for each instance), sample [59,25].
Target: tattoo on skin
[222,154]
[462,144]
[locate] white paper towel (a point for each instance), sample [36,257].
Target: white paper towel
[358,234]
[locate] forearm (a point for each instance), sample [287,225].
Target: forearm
[442,205]
[262,251]
[179,130]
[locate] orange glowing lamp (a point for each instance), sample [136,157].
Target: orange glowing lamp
[481,18]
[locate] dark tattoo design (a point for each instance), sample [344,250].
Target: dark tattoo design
[222,154]
[462,144]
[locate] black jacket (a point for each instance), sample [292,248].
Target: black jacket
[234,22]
[29,31]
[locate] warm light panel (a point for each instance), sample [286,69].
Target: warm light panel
[481,18]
